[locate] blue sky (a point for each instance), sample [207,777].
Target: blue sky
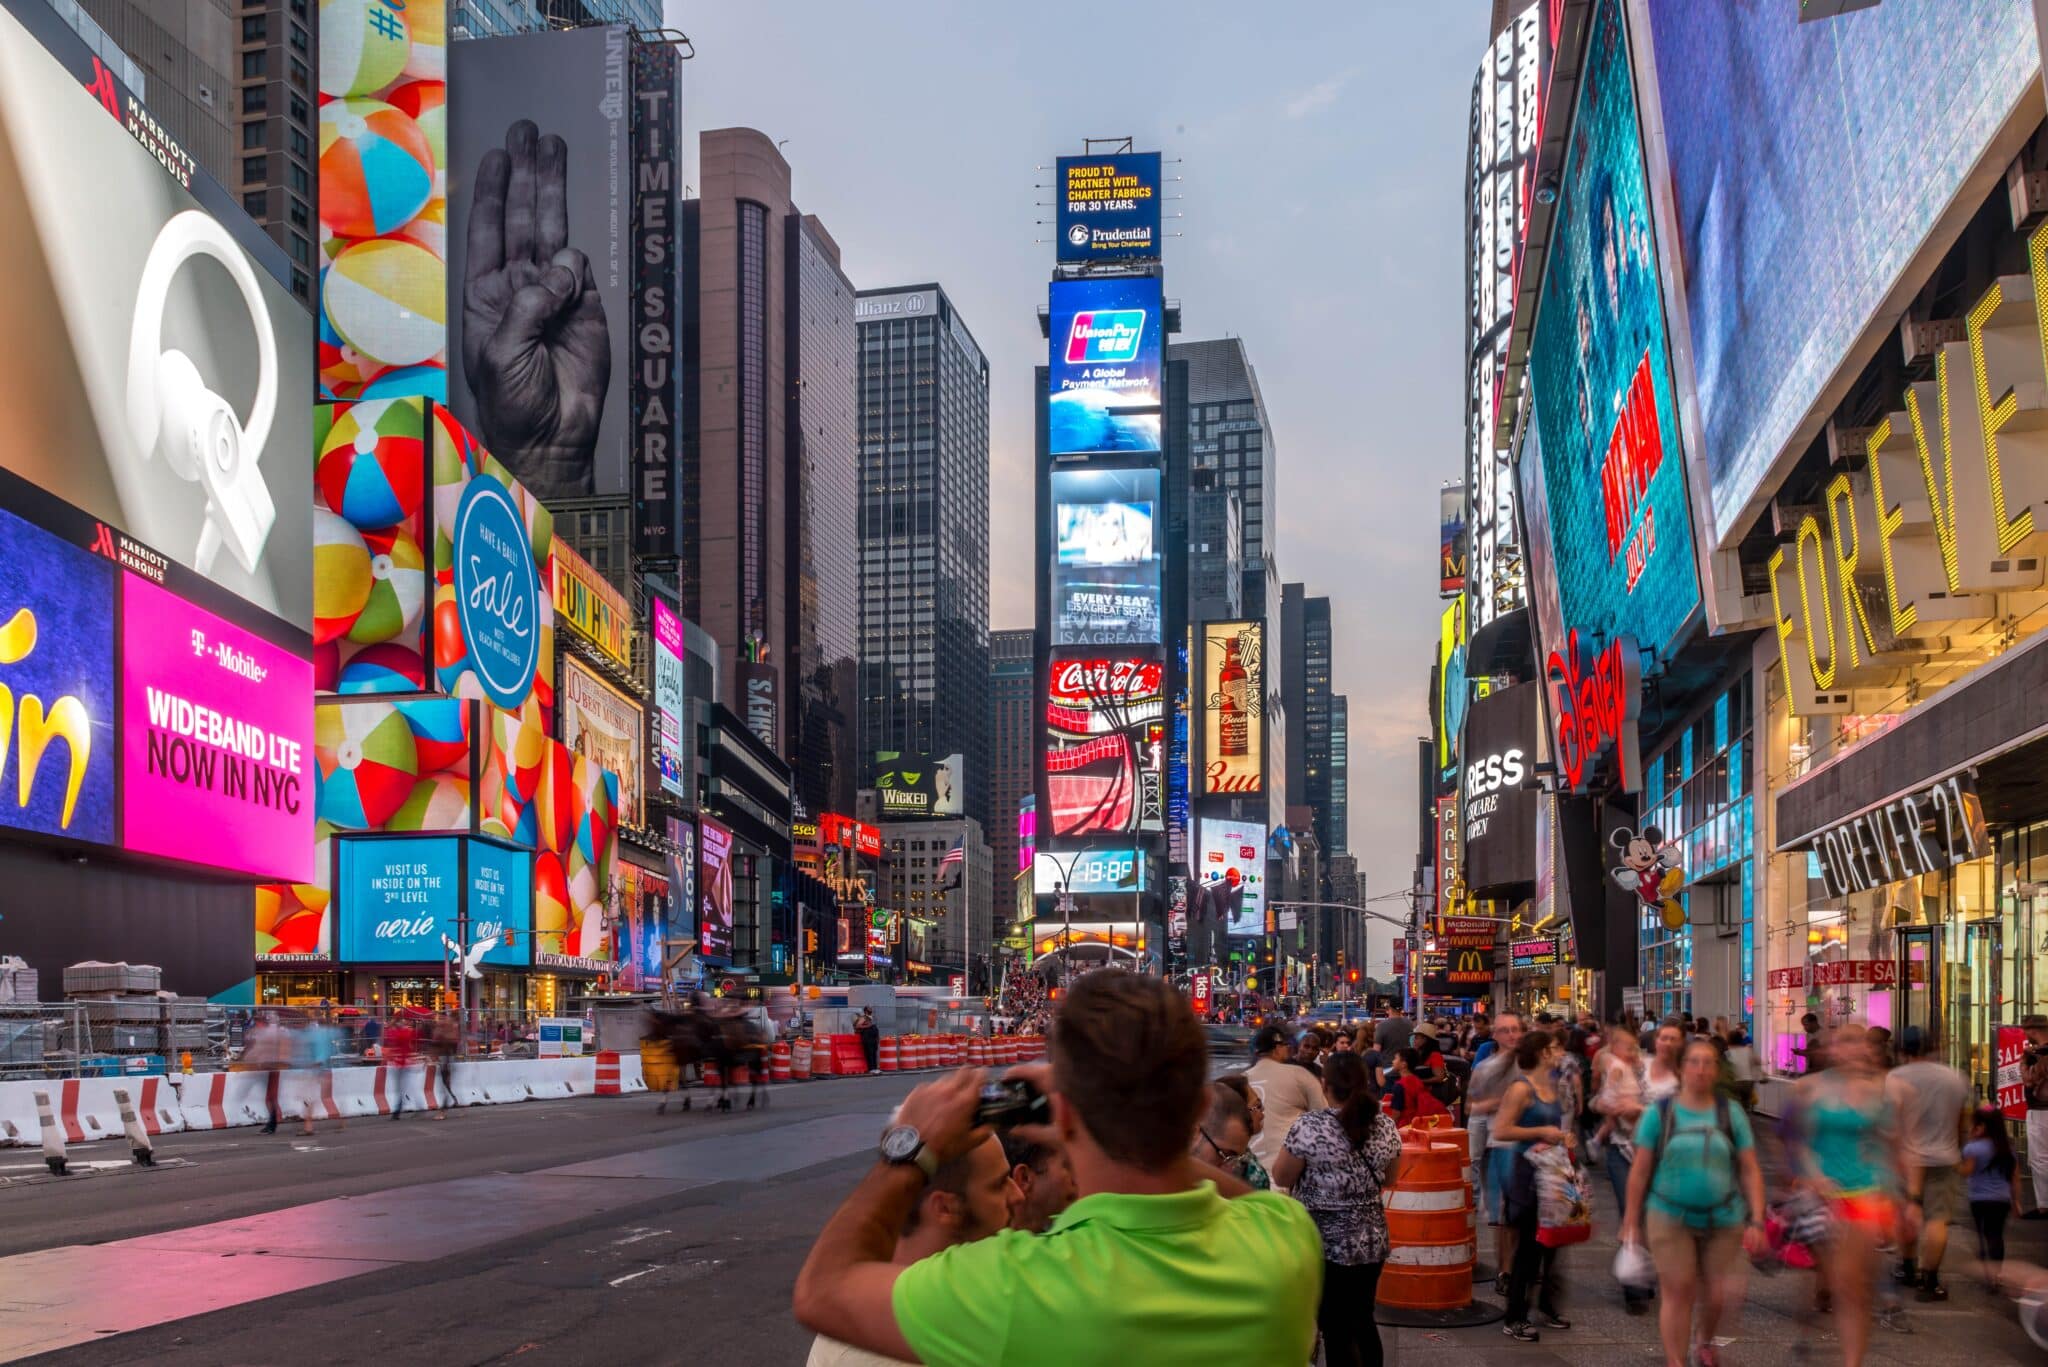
[1321,154]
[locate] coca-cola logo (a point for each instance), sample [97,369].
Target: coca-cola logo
[1595,698]
[1127,679]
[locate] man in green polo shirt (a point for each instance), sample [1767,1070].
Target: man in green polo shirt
[1160,1260]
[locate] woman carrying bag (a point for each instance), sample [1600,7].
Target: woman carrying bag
[1530,1114]
[1337,1162]
[1696,1197]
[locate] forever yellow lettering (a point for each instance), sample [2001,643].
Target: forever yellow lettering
[1995,415]
[1854,616]
[1890,517]
[1782,624]
[1941,496]
[1823,679]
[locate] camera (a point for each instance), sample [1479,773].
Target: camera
[1010,1103]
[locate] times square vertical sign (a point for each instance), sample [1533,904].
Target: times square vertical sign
[1507,117]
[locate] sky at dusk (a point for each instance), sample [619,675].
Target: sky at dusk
[1320,154]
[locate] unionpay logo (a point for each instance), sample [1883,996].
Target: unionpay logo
[1105,337]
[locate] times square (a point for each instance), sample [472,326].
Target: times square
[663,707]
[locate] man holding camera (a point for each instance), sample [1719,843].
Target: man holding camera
[1160,1257]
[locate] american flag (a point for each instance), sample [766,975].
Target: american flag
[953,867]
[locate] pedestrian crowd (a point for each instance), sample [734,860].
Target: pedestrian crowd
[1145,1213]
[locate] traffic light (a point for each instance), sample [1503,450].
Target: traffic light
[1354,975]
[511,937]
[810,942]
[1340,958]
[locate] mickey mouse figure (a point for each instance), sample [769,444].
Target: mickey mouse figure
[1649,868]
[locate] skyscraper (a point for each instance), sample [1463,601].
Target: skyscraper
[276,104]
[491,18]
[1339,821]
[1232,436]
[924,653]
[1010,737]
[1305,690]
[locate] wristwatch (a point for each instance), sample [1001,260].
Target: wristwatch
[903,1144]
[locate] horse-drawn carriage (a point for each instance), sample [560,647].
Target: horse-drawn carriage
[703,1043]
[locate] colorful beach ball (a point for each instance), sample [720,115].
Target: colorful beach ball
[440,734]
[376,169]
[372,467]
[392,667]
[558,805]
[364,45]
[428,22]
[385,300]
[341,575]
[551,911]
[398,590]
[429,381]
[291,918]
[367,763]
[439,802]
[426,104]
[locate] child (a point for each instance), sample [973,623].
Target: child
[1994,1186]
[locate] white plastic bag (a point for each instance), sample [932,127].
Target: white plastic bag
[1634,1269]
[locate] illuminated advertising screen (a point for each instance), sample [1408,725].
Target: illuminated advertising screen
[1108,207]
[847,834]
[217,744]
[1105,746]
[1087,872]
[920,785]
[156,371]
[644,924]
[1810,165]
[1233,707]
[1621,536]
[536,792]
[1102,387]
[383,207]
[538,194]
[1498,789]
[1455,547]
[399,896]
[588,605]
[682,876]
[370,541]
[714,890]
[667,629]
[1231,863]
[605,726]
[1106,557]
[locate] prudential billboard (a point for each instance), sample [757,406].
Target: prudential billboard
[1103,368]
[1108,207]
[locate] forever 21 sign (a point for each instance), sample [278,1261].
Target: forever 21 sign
[1934,827]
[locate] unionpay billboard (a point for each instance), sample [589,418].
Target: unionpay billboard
[1102,385]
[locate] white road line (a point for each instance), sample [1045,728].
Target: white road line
[639,1234]
[631,1276]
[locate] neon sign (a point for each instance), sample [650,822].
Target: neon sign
[1596,698]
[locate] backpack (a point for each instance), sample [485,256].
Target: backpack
[1724,1125]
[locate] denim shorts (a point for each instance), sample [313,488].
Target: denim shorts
[1500,1171]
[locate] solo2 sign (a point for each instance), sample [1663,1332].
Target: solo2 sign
[1596,697]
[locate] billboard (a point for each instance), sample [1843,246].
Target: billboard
[1454,556]
[1102,385]
[383,212]
[669,706]
[400,895]
[656,390]
[1621,535]
[1499,811]
[848,834]
[1105,745]
[370,620]
[538,220]
[602,724]
[920,785]
[714,890]
[1086,872]
[154,373]
[217,744]
[1810,164]
[535,792]
[1231,863]
[1108,207]
[1233,708]
[586,603]
[1108,531]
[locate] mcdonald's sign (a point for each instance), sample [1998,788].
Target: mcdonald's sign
[1469,972]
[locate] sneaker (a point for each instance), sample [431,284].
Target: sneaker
[1931,1290]
[1500,1285]
[1520,1332]
[1550,1321]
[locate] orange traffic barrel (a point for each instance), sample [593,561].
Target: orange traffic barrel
[885,1054]
[1429,1228]
[779,1061]
[607,1073]
[800,1060]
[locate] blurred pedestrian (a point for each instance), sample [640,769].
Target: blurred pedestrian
[1284,1090]
[1307,1050]
[1746,1066]
[266,1048]
[317,1042]
[1408,1091]
[1932,1103]
[1337,1162]
[1994,1188]
[2034,1081]
[1493,1157]
[1660,1070]
[1530,1114]
[401,1047]
[1696,1200]
[1254,1172]
[1223,1136]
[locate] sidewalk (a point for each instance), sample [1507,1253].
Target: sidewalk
[1773,1327]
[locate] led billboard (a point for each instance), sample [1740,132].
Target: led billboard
[539,222]
[383,211]
[1810,164]
[1108,207]
[656,390]
[1233,708]
[1497,789]
[1087,872]
[667,630]
[1102,385]
[1231,869]
[602,724]
[534,791]
[587,604]
[714,890]
[1108,535]
[920,785]
[154,372]
[1455,550]
[399,896]
[1105,746]
[1621,535]
[369,546]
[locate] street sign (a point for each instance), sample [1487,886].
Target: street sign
[959,988]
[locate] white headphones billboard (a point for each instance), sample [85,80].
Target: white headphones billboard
[153,373]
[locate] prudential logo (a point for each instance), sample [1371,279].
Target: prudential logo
[1105,337]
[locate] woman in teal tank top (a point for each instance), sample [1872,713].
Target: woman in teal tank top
[1840,1143]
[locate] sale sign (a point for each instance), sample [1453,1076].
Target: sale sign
[217,740]
[1862,972]
[2011,1044]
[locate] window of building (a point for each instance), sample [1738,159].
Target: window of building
[252,135]
[254,64]
[255,28]
[253,168]
[253,204]
[301,252]
[300,111]
[298,38]
[299,144]
[255,99]
[296,175]
[301,215]
[299,76]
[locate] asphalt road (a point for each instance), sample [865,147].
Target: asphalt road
[597,1231]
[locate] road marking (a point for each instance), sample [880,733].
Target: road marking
[637,1234]
[634,1276]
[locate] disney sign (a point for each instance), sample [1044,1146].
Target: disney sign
[1596,697]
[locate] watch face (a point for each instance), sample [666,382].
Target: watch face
[900,1144]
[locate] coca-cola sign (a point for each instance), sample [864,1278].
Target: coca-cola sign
[1595,698]
[1123,680]
[1105,745]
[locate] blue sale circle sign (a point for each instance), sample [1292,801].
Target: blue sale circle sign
[497,591]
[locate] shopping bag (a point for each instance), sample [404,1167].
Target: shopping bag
[1563,1214]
